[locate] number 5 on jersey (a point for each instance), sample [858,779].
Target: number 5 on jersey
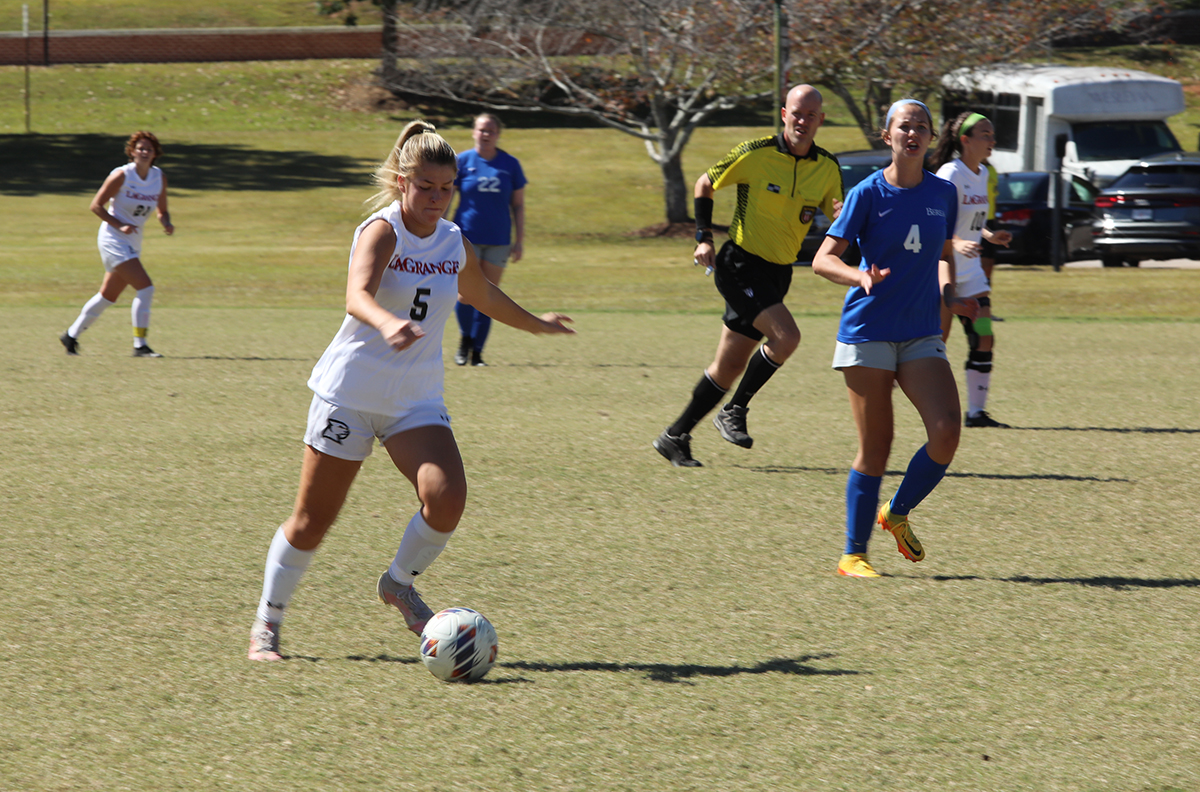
[912,242]
[420,307]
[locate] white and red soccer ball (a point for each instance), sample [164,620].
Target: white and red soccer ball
[459,645]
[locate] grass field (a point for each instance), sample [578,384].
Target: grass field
[659,628]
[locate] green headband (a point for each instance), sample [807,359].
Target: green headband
[970,121]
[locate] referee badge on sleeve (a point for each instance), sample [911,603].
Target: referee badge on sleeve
[806,214]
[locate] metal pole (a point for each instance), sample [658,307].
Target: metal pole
[778,66]
[1055,197]
[45,32]
[25,35]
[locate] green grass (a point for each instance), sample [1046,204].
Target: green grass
[659,628]
[139,14]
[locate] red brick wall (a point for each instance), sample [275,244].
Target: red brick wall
[193,45]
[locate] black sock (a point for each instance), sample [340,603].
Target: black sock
[760,370]
[706,395]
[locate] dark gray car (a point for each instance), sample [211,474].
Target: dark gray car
[1152,211]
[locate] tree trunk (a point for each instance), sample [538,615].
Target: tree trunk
[387,58]
[676,192]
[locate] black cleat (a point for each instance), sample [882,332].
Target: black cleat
[477,358]
[464,349]
[677,450]
[71,344]
[145,351]
[731,423]
[981,418]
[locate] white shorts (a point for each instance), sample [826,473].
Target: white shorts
[971,281]
[117,248]
[351,434]
[887,355]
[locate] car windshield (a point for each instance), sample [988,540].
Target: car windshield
[1022,188]
[1117,140]
[853,174]
[1174,175]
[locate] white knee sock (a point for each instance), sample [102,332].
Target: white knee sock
[419,547]
[977,390]
[90,313]
[285,565]
[140,311]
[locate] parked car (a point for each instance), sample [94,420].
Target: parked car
[856,166]
[1022,208]
[1152,211]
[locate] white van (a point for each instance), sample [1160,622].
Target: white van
[1101,120]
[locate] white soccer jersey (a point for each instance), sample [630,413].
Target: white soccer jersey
[138,198]
[972,215]
[359,370]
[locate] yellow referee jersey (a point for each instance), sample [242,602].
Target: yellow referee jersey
[778,194]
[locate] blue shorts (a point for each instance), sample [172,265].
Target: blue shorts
[351,434]
[887,355]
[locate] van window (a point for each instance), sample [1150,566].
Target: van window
[1003,109]
[1022,188]
[1116,140]
[1181,175]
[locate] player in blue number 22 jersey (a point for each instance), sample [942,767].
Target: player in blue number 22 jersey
[903,219]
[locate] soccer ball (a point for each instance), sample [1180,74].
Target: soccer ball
[458,645]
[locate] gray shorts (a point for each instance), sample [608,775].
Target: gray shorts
[887,355]
[351,434]
[496,255]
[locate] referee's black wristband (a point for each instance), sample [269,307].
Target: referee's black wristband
[703,210]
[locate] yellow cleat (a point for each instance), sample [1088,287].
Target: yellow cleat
[857,565]
[897,525]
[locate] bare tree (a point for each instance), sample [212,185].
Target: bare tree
[653,69]
[865,50]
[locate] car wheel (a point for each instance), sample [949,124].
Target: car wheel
[1112,261]
[1133,262]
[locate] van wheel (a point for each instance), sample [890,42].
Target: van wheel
[1112,261]
[1133,262]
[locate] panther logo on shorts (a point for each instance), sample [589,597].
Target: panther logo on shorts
[807,213]
[336,431]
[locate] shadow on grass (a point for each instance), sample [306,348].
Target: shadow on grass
[61,164]
[1103,581]
[250,358]
[658,672]
[1115,429]
[949,474]
[665,672]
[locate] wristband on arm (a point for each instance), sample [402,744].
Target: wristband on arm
[703,208]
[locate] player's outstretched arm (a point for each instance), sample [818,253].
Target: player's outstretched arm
[477,291]
[829,265]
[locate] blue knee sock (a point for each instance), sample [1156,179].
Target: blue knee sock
[922,476]
[466,318]
[479,333]
[862,504]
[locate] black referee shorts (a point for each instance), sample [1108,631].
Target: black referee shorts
[750,285]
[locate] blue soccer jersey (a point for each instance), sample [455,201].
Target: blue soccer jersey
[485,196]
[903,230]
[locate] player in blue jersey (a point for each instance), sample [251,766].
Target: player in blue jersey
[903,219]
[491,213]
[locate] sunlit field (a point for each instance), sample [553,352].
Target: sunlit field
[660,628]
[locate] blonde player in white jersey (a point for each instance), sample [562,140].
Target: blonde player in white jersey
[972,137]
[381,377]
[123,203]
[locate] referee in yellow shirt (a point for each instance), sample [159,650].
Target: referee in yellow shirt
[781,182]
